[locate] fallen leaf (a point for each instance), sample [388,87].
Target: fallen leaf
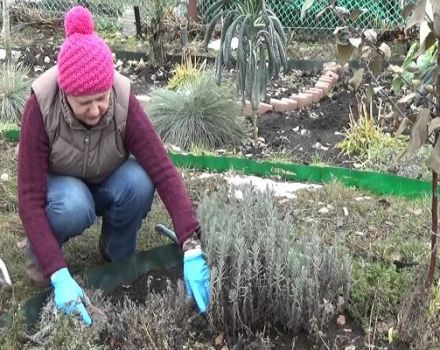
[219,339]
[340,321]
[323,210]
[416,212]
[22,244]
[384,203]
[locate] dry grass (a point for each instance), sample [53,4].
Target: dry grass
[383,229]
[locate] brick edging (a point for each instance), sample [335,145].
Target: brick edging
[326,82]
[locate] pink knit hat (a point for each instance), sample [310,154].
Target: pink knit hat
[85,62]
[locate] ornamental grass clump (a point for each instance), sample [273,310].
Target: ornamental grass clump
[14,88]
[263,272]
[200,113]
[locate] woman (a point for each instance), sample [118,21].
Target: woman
[79,126]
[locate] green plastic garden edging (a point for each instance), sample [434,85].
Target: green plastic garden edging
[379,183]
[108,276]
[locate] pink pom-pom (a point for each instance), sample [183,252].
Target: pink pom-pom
[78,20]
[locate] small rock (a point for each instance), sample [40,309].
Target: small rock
[46,60]
[345,211]
[389,223]
[357,165]
[296,129]
[304,132]
[340,321]
[350,347]
[324,210]
[4,177]
[219,339]
[359,199]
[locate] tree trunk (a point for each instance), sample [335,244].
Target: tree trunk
[434,205]
[255,127]
[6,31]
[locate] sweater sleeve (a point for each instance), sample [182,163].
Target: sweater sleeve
[142,140]
[33,155]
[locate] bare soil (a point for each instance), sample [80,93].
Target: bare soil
[311,132]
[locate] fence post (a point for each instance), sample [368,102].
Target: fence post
[192,10]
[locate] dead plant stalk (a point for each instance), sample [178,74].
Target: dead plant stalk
[434,207]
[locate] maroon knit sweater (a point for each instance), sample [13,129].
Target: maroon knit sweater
[141,140]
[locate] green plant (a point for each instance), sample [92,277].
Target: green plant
[419,319]
[14,88]
[364,136]
[261,50]
[159,323]
[417,70]
[185,72]
[10,338]
[200,113]
[263,272]
[377,290]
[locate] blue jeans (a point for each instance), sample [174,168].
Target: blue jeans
[123,200]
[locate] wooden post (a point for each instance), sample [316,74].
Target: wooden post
[137,17]
[6,30]
[192,10]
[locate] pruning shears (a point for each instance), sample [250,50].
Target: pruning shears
[162,229]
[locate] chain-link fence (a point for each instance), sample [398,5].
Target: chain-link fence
[108,14]
[377,14]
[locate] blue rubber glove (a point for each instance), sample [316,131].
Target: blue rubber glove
[197,276]
[69,296]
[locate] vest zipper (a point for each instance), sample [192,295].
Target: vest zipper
[86,153]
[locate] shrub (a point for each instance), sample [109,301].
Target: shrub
[263,273]
[201,114]
[162,322]
[379,285]
[412,165]
[14,88]
[184,73]
[364,137]
[419,317]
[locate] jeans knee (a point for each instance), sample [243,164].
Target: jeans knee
[70,207]
[133,186]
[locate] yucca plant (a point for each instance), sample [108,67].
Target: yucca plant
[14,88]
[261,53]
[200,113]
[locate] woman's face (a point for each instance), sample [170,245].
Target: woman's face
[89,109]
